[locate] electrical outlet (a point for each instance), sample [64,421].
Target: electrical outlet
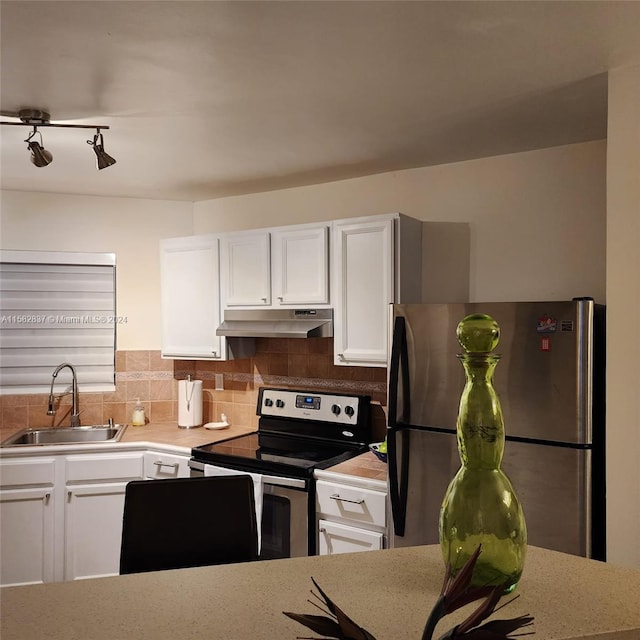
[219,382]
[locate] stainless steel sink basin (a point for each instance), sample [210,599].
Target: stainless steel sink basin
[66,435]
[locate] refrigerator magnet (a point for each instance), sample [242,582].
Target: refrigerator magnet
[547,324]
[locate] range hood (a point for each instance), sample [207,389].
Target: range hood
[277,323]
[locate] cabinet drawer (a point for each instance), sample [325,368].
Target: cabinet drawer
[124,466]
[165,465]
[334,538]
[351,503]
[38,472]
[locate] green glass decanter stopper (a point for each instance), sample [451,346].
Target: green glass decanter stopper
[480,506]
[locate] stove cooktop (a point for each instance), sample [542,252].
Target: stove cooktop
[284,455]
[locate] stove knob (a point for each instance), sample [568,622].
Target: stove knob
[335,408]
[349,411]
[268,402]
[279,404]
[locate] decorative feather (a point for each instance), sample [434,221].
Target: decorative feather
[340,626]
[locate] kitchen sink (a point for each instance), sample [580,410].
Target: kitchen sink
[66,435]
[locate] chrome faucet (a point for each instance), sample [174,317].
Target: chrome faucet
[75,414]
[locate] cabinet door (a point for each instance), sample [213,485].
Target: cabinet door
[93,519]
[190,293]
[93,509]
[300,263]
[336,538]
[26,540]
[245,269]
[363,277]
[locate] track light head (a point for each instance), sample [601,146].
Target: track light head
[39,155]
[103,159]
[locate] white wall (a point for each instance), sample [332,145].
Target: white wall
[129,227]
[537,219]
[537,224]
[623,317]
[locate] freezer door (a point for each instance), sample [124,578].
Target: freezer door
[543,380]
[552,483]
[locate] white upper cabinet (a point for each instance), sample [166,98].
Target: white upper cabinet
[300,265]
[190,294]
[245,269]
[376,261]
[280,267]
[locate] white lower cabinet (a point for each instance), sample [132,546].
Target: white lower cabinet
[340,538]
[61,515]
[93,530]
[349,517]
[27,518]
[94,504]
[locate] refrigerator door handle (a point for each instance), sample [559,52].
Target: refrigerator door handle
[398,477]
[399,373]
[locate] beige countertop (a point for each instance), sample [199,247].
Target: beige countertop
[388,592]
[364,466]
[169,436]
[168,433]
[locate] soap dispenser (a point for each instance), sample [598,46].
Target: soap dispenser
[137,417]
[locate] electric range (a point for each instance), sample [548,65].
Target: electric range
[298,431]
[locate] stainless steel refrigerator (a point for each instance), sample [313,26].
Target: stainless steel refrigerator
[550,382]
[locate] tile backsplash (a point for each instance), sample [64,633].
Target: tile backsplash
[291,363]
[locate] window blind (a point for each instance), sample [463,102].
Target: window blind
[55,308]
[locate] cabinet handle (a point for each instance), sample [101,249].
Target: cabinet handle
[336,496]
[160,463]
[47,497]
[263,299]
[341,356]
[214,354]
[323,530]
[69,495]
[280,298]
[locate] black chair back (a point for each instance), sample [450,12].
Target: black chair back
[188,522]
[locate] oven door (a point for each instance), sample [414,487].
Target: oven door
[285,514]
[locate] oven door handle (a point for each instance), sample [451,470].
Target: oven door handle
[278,481]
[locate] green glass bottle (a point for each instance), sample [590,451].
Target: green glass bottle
[480,506]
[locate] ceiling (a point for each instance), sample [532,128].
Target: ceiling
[212,98]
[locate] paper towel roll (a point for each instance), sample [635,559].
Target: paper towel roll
[189,403]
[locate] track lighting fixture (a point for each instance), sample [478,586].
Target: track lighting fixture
[40,156]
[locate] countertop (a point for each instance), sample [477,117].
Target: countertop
[168,433]
[169,437]
[388,592]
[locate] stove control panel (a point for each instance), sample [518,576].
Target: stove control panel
[317,406]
